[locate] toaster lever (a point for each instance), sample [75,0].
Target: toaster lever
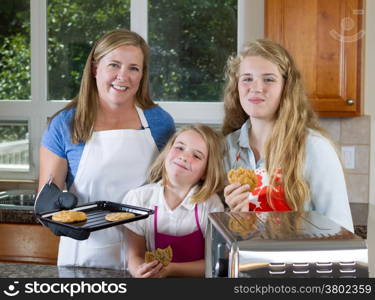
[221,267]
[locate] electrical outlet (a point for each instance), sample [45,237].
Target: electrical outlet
[348,155]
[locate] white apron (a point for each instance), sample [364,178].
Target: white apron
[112,163]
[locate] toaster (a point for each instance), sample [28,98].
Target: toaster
[282,244]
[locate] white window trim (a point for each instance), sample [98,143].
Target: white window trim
[139,17]
[36,110]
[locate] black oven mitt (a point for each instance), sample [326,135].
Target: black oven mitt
[52,198]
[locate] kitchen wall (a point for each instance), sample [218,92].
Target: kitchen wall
[369,90]
[353,132]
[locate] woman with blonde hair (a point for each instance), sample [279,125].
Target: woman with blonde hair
[103,142]
[184,181]
[270,127]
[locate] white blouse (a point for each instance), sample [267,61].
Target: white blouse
[322,171]
[179,221]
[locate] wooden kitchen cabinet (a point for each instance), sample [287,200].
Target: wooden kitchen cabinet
[325,37]
[28,243]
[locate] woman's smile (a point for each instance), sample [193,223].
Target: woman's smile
[120,88]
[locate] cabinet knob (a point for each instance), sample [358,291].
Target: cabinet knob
[350,101]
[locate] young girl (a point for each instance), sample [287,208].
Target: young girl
[271,128]
[184,181]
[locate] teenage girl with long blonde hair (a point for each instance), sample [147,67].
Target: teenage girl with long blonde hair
[270,127]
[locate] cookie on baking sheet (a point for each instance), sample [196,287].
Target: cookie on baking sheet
[243,176]
[118,216]
[69,216]
[163,255]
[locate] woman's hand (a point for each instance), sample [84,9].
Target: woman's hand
[237,197]
[154,269]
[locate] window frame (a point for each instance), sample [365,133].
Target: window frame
[36,110]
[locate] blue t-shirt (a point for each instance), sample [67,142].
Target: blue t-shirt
[57,136]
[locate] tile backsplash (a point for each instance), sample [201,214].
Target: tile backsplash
[353,132]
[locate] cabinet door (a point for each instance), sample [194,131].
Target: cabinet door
[28,243]
[325,38]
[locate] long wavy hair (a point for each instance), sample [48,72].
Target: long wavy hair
[87,100]
[213,181]
[285,148]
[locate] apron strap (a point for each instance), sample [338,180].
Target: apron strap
[142,117]
[196,217]
[155,220]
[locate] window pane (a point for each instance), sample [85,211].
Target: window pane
[14,146]
[15,50]
[190,41]
[73,27]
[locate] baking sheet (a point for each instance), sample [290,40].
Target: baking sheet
[96,212]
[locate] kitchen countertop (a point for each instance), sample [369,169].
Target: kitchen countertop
[26,216]
[21,214]
[18,270]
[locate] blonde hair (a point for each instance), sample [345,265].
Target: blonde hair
[213,181]
[285,148]
[86,102]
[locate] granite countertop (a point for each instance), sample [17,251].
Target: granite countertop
[18,214]
[18,270]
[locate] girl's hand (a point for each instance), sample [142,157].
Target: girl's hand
[237,197]
[164,272]
[154,269]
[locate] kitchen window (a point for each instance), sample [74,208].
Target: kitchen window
[15,50]
[190,41]
[72,28]
[14,146]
